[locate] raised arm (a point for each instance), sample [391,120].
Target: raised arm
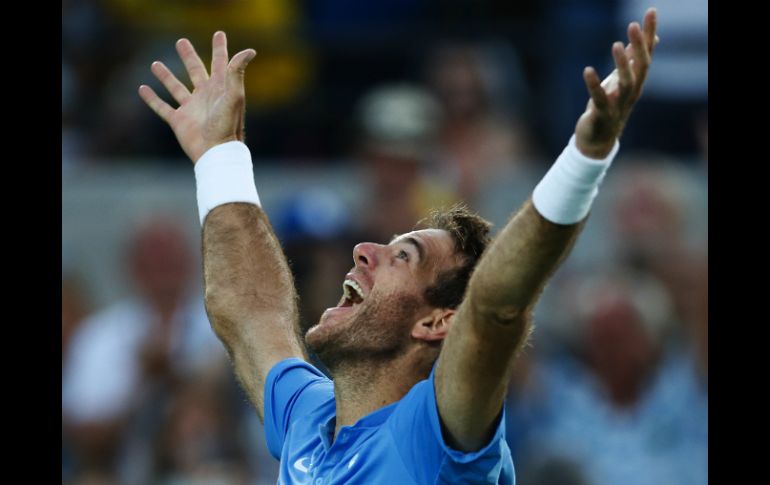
[494,320]
[249,291]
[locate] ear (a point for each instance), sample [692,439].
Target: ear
[434,326]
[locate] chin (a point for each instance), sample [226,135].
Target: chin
[330,327]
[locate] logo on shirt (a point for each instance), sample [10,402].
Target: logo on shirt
[299,465]
[352,461]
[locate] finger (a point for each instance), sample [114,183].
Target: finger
[237,69]
[641,56]
[172,84]
[630,51]
[219,54]
[192,62]
[595,89]
[625,78]
[638,46]
[241,60]
[160,107]
[650,27]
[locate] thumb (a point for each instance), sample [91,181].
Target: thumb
[236,69]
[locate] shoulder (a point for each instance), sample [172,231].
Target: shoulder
[416,428]
[296,371]
[297,398]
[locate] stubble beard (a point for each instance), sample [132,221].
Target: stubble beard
[378,332]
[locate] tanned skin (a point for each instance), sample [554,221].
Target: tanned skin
[494,320]
[249,292]
[250,295]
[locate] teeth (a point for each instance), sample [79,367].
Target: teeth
[350,284]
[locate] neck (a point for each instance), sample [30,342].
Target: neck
[361,388]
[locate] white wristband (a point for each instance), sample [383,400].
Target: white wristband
[224,174]
[565,193]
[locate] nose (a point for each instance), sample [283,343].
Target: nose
[365,255]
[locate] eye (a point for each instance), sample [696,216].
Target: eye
[403,255]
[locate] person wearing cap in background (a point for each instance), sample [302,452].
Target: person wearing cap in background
[422,342]
[398,125]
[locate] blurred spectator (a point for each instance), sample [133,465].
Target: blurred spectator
[93,44]
[195,443]
[316,233]
[627,318]
[74,306]
[628,405]
[696,317]
[251,432]
[398,127]
[654,221]
[483,98]
[127,356]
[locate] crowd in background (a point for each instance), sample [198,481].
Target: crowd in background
[417,104]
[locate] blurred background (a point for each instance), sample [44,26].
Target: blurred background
[361,116]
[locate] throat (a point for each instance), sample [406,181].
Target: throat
[361,389]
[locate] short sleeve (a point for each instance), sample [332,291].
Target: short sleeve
[293,389]
[416,429]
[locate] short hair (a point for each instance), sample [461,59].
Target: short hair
[470,233]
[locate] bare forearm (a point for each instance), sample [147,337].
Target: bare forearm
[513,272]
[245,271]
[493,322]
[250,295]
[494,319]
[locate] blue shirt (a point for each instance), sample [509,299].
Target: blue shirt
[399,444]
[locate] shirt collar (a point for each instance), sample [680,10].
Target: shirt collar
[367,423]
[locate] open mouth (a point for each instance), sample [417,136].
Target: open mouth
[352,293]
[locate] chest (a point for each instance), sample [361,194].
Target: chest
[358,457]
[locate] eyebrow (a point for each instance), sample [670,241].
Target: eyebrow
[417,244]
[414,242]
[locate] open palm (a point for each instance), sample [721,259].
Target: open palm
[213,113]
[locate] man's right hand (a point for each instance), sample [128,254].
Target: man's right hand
[213,113]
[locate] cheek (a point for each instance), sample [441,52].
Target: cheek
[401,283]
[393,311]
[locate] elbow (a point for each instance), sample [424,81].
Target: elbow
[503,321]
[506,315]
[212,299]
[499,308]
[228,308]
[219,309]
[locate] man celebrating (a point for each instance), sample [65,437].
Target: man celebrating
[422,342]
